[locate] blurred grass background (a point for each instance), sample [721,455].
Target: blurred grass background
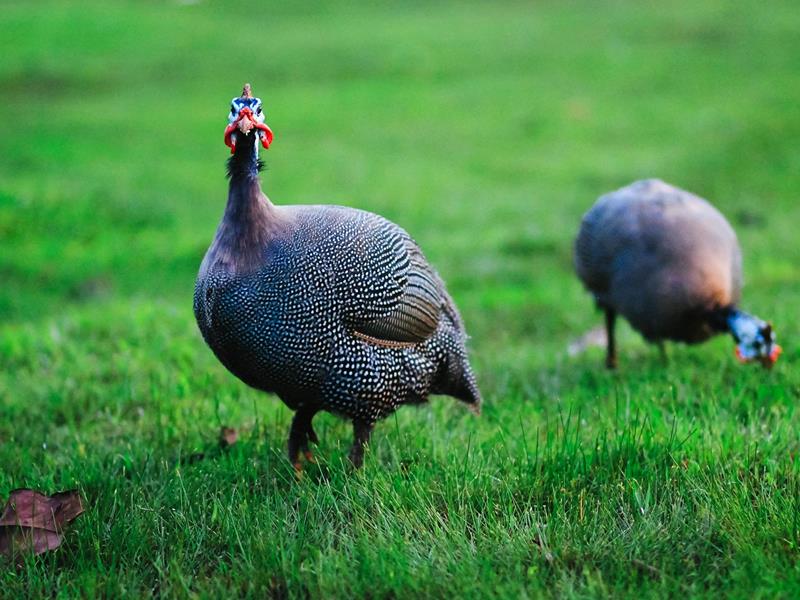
[484,129]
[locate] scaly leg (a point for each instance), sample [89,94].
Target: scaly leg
[300,433]
[662,350]
[361,432]
[312,436]
[611,347]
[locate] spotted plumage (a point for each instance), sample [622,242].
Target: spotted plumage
[329,307]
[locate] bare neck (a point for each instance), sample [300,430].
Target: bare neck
[248,210]
[731,320]
[247,207]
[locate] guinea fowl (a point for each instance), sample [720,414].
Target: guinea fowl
[669,263]
[331,308]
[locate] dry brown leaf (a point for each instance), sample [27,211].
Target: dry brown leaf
[227,436]
[34,522]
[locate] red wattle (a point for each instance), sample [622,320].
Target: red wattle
[775,353]
[739,356]
[228,131]
[268,135]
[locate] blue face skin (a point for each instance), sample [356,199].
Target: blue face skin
[755,339]
[254,104]
[246,112]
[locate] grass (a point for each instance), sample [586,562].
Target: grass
[485,130]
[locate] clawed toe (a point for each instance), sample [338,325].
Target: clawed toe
[298,464]
[357,457]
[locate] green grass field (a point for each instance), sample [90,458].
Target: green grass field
[485,130]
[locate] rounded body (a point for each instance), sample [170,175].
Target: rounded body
[661,257]
[305,323]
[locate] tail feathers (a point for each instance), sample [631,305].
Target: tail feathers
[456,378]
[468,392]
[458,381]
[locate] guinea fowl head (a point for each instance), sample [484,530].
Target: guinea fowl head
[246,117]
[755,340]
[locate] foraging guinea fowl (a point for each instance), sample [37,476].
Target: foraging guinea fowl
[331,308]
[670,263]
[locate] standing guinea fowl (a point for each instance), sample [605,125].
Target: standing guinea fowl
[669,263]
[331,308]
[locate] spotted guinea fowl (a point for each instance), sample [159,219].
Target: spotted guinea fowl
[669,263]
[331,308]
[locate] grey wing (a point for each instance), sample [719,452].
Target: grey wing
[397,298]
[594,251]
[611,229]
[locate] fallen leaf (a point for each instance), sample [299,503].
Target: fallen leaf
[34,522]
[227,436]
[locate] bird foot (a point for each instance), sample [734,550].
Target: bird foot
[357,456]
[298,464]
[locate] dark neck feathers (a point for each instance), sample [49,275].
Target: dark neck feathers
[719,318]
[248,209]
[729,319]
[245,163]
[250,219]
